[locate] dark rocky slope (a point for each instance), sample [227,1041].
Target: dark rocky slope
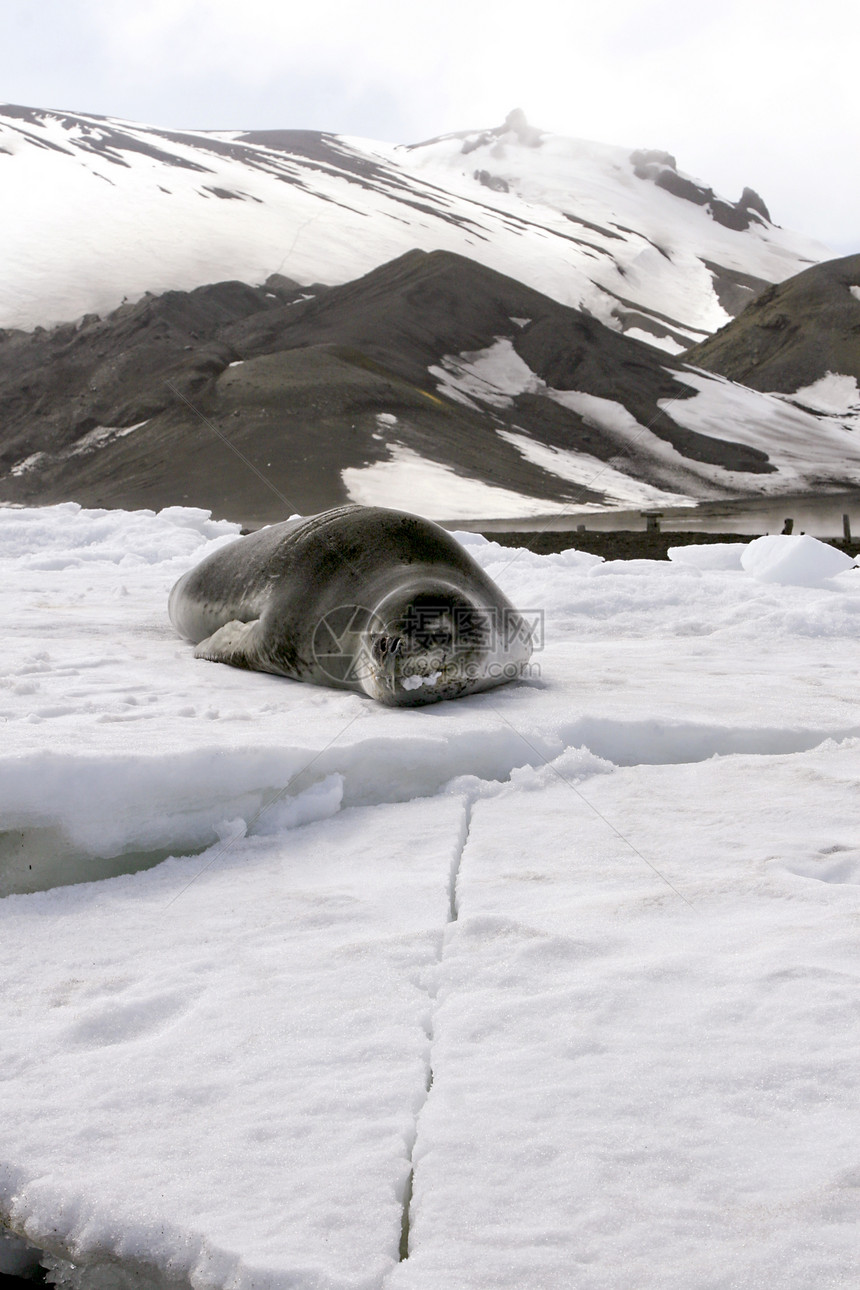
[154,404]
[793,333]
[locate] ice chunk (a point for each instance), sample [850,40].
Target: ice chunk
[470,539]
[709,555]
[800,561]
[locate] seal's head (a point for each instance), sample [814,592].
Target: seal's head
[434,643]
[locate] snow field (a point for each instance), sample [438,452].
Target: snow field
[630,1089]
[832,392]
[804,449]
[445,495]
[791,437]
[553,985]
[251,1053]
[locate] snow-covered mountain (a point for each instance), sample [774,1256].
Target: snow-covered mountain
[484,325]
[97,210]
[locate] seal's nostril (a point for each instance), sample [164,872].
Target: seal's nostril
[386,647]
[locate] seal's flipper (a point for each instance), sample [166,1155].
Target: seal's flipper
[234,643]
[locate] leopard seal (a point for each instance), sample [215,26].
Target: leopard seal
[360,598]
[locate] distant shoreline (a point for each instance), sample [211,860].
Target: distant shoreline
[628,545]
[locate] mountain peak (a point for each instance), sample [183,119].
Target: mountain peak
[516,123]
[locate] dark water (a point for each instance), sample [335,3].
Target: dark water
[821,516]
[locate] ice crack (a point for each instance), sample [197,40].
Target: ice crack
[453,915]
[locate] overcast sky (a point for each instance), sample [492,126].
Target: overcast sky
[758,92]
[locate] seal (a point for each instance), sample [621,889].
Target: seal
[360,598]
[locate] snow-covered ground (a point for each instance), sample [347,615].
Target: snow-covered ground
[552,986]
